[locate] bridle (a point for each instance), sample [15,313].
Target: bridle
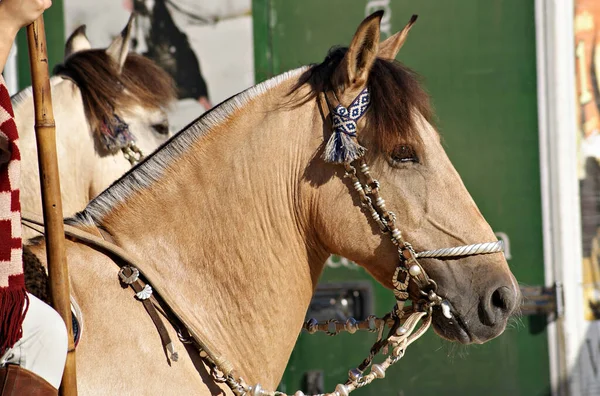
[113,132]
[342,148]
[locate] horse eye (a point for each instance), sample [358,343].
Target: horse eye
[161,129]
[403,154]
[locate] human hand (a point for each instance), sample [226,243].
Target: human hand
[14,14]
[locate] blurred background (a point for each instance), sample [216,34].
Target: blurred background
[515,87]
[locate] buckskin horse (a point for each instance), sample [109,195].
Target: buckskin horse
[106,101]
[232,220]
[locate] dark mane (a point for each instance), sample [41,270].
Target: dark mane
[395,95]
[105,91]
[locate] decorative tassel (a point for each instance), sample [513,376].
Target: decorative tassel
[12,315]
[342,145]
[115,134]
[342,148]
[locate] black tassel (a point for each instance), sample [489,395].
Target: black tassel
[342,148]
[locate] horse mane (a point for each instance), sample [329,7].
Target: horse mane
[104,90]
[396,94]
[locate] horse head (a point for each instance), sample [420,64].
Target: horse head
[126,96]
[431,206]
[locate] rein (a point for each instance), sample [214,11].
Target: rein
[342,148]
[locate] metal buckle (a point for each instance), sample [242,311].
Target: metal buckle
[132,277]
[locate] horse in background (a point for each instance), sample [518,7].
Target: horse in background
[110,106]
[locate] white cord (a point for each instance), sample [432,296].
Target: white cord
[466,250]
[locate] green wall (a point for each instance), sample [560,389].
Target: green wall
[477,59]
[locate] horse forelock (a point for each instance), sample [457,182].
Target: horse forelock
[105,91]
[396,97]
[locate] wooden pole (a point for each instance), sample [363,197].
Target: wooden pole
[51,199]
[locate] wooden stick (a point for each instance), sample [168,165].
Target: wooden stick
[51,199]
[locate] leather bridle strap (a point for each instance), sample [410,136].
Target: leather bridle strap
[130,276]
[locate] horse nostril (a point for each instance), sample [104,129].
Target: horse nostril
[498,306]
[503,299]
[498,300]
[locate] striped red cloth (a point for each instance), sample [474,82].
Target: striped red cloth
[12,280]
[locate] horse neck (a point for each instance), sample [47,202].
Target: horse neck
[222,227]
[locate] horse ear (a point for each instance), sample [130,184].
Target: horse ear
[362,52]
[77,41]
[119,48]
[391,46]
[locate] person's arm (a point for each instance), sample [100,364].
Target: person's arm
[14,14]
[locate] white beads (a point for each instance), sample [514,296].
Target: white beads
[396,234]
[378,371]
[414,270]
[380,202]
[255,390]
[357,186]
[401,331]
[342,390]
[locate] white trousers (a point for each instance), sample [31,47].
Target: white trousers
[43,347]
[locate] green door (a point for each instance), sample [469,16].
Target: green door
[478,62]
